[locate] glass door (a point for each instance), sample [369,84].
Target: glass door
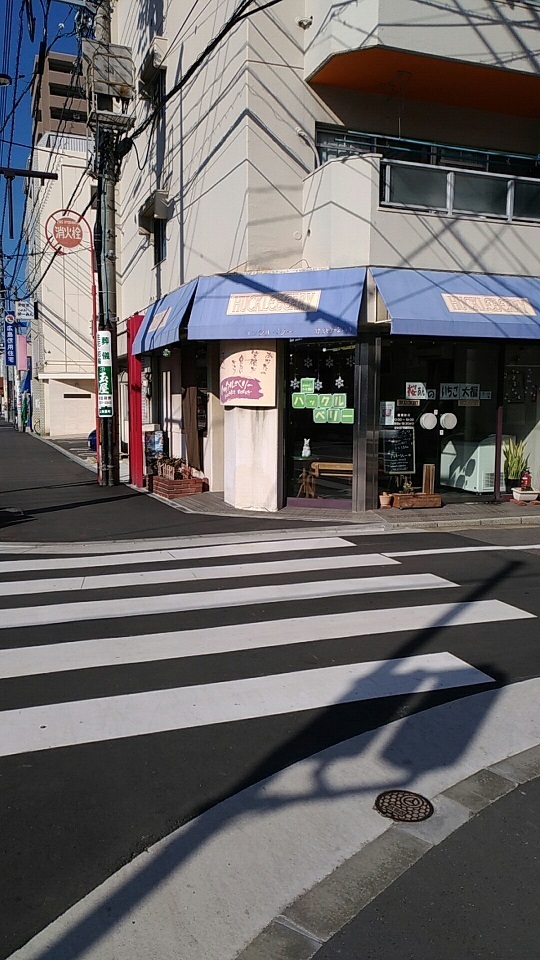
[320,421]
[438,407]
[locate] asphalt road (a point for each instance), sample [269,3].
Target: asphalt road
[77,806]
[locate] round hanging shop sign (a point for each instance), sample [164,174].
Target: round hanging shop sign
[64,231]
[428,421]
[448,421]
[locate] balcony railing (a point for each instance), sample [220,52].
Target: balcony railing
[454,192]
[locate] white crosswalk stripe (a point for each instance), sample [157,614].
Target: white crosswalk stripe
[145,577]
[261,548]
[334,572]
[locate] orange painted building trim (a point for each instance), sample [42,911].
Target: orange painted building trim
[386,72]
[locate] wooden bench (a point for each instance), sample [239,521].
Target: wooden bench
[322,469]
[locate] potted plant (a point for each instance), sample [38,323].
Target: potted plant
[385,499]
[515,461]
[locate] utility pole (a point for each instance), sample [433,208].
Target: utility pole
[109,81]
[107,320]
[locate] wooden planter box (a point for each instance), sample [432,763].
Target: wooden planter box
[174,489]
[415,501]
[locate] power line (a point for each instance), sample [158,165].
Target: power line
[56,149]
[241,13]
[12,131]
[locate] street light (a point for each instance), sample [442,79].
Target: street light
[5,80]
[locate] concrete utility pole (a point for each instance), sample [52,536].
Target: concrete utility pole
[103,88]
[110,450]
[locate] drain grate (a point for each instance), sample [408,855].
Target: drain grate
[403,806]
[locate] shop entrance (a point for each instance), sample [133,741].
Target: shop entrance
[438,405]
[321,418]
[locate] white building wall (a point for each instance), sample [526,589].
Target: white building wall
[64,347]
[345,224]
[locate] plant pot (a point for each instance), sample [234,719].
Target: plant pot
[385,499]
[524,496]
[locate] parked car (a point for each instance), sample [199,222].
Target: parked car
[92,440]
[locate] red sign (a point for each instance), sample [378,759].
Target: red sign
[64,230]
[67,232]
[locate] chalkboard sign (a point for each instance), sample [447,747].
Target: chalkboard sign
[396,450]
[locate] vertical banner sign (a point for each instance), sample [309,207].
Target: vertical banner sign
[104,374]
[9,339]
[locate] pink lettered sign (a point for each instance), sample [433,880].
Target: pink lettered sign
[247,375]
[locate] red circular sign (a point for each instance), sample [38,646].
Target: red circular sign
[67,232]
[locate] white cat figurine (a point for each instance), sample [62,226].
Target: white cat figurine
[306,449]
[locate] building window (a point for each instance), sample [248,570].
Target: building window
[160,241]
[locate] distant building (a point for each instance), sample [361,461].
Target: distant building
[58,97]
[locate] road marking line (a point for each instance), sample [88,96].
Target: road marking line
[166,556]
[116,651]
[111,718]
[12,588]
[243,596]
[442,550]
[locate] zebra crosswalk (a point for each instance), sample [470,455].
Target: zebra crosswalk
[278,598]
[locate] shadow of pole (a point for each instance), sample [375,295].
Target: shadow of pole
[406,750]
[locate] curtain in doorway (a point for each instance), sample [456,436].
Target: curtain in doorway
[189,404]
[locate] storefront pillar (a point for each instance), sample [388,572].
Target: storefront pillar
[366,442]
[500,422]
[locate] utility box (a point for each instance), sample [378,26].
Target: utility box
[110,83]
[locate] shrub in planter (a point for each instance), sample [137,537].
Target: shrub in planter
[515,461]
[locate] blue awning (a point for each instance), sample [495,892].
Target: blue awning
[314,303]
[161,323]
[435,303]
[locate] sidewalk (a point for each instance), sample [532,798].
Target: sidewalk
[47,494]
[455,902]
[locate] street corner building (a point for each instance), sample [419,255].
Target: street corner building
[328,278]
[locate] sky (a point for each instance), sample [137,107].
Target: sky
[55,24]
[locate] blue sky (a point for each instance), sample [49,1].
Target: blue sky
[15,139]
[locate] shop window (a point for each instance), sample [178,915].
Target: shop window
[320,413]
[438,410]
[522,403]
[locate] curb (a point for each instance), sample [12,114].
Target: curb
[66,453]
[317,915]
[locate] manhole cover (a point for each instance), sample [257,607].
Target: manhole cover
[403,806]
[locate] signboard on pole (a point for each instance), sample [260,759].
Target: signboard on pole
[9,339]
[64,231]
[104,374]
[24,311]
